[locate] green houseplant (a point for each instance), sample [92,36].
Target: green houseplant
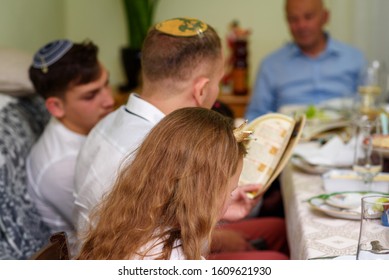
[139,17]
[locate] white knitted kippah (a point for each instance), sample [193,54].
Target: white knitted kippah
[51,53]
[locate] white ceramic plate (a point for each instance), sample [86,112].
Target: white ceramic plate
[325,203]
[327,116]
[345,200]
[309,168]
[320,204]
[347,180]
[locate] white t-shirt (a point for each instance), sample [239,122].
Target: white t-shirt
[50,171]
[117,135]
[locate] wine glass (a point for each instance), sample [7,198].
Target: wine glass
[373,242]
[367,161]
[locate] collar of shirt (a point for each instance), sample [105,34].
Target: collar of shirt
[137,106]
[332,48]
[64,131]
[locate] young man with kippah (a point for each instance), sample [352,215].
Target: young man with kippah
[182,65]
[75,87]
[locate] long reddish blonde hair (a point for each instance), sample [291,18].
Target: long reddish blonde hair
[173,190]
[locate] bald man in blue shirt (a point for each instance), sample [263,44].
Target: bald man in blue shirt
[311,69]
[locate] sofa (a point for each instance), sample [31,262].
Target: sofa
[22,232]
[23,117]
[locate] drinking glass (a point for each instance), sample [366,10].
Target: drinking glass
[367,162]
[373,243]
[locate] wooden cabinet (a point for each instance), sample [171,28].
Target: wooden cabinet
[237,103]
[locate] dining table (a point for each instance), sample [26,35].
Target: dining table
[320,171]
[311,233]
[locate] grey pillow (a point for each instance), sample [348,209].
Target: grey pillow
[14,78]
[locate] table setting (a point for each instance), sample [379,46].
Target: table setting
[358,150]
[326,180]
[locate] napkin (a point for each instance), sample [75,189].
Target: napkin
[334,153]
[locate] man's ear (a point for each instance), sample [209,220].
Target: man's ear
[55,106]
[200,91]
[326,16]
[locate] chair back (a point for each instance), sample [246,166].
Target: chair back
[56,249]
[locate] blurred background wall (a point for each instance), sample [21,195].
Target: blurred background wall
[27,24]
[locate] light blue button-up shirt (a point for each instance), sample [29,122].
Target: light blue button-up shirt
[287,77]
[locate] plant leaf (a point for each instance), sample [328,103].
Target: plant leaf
[139,15]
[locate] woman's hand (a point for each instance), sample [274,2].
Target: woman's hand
[241,205]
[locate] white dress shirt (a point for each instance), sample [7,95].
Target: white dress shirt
[50,170]
[117,135]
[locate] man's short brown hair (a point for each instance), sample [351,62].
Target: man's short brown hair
[78,66]
[166,56]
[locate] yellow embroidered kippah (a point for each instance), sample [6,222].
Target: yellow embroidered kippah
[182,27]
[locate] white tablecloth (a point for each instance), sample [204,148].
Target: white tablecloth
[311,233]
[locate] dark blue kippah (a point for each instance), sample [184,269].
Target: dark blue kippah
[51,53]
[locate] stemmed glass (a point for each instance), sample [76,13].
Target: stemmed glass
[367,162]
